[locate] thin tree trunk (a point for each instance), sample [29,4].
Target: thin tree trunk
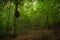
[8,21]
[47,22]
[16,9]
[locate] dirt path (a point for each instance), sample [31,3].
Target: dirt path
[37,35]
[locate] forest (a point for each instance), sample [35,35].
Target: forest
[29,19]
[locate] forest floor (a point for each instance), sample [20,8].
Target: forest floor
[42,34]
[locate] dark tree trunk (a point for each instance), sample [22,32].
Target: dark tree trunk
[16,9]
[47,22]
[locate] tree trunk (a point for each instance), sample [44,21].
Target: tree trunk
[47,22]
[16,9]
[8,21]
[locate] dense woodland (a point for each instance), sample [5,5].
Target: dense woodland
[17,15]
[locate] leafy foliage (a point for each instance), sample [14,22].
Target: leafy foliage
[33,13]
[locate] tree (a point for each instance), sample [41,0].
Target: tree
[16,15]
